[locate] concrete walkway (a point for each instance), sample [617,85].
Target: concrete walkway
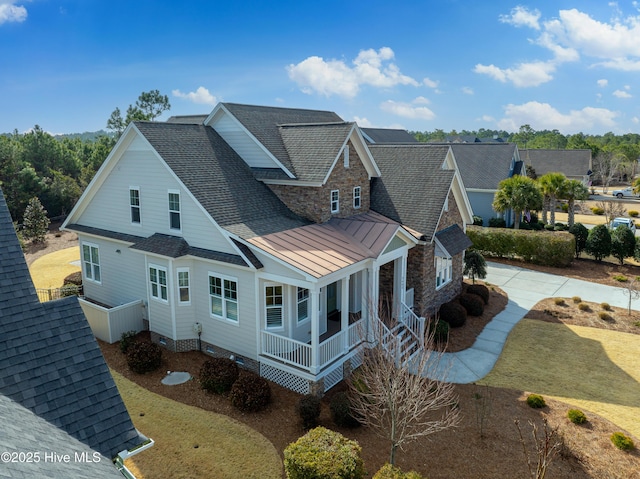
[524,288]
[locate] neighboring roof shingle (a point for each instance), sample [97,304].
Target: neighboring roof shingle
[219,179]
[50,362]
[188,119]
[413,186]
[453,240]
[263,122]
[387,136]
[569,162]
[483,165]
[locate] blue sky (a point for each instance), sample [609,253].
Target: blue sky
[420,65]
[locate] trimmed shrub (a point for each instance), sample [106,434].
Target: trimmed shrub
[564,207]
[453,313]
[217,375]
[622,441]
[560,227]
[497,223]
[583,307]
[481,290]
[596,210]
[74,278]
[580,233]
[341,412]
[323,454]
[598,242]
[126,340]
[604,316]
[477,220]
[576,416]
[633,213]
[309,410]
[472,303]
[605,306]
[623,243]
[549,227]
[559,301]
[391,472]
[620,278]
[144,357]
[536,401]
[577,299]
[250,392]
[441,334]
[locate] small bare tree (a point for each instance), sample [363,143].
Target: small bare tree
[612,209]
[399,390]
[631,289]
[546,446]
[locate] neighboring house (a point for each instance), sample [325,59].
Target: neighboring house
[482,167]
[574,164]
[387,136]
[473,139]
[272,236]
[56,392]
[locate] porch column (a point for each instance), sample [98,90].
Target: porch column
[399,283]
[344,316]
[375,291]
[314,304]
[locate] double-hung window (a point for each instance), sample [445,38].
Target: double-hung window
[302,304]
[184,292]
[223,294]
[134,202]
[357,197]
[174,210]
[158,282]
[335,201]
[273,301]
[91,262]
[444,270]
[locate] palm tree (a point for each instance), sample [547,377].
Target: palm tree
[574,190]
[552,185]
[518,193]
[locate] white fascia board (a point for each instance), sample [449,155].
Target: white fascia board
[307,276]
[101,175]
[480,190]
[103,238]
[220,110]
[363,152]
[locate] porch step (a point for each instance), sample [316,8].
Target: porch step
[408,345]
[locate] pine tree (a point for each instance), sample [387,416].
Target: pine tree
[35,221]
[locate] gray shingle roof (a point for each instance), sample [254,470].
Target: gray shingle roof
[483,165]
[219,179]
[263,122]
[313,149]
[453,239]
[50,362]
[569,162]
[387,135]
[25,432]
[188,119]
[413,186]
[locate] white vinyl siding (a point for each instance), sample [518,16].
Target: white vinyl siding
[444,270]
[357,197]
[302,304]
[91,262]
[158,283]
[184,286]
[175,222]
[134,202]
[223,294]
[273,303]
[335,201]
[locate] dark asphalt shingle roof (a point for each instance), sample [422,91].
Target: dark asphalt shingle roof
[313,149]
[413,186]
[569,162]
[219,179]
[263,123]
[50,362]
[387,135]
[483,165]
[188,119]
[453,239]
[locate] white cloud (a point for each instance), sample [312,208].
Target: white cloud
[622,94]
[486,119]
[603,83]
[9,12]
[201,96]
[523,75]
[635,119]
[335,77]
[543,116]
[413,110]
[467,90]
[430,83]
[363,122]
[522,17]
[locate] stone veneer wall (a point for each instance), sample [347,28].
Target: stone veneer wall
[314,203]
[421,272]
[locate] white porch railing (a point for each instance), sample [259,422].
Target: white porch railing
[414,323]
[299,354]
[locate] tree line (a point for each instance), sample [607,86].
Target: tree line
[56,170]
